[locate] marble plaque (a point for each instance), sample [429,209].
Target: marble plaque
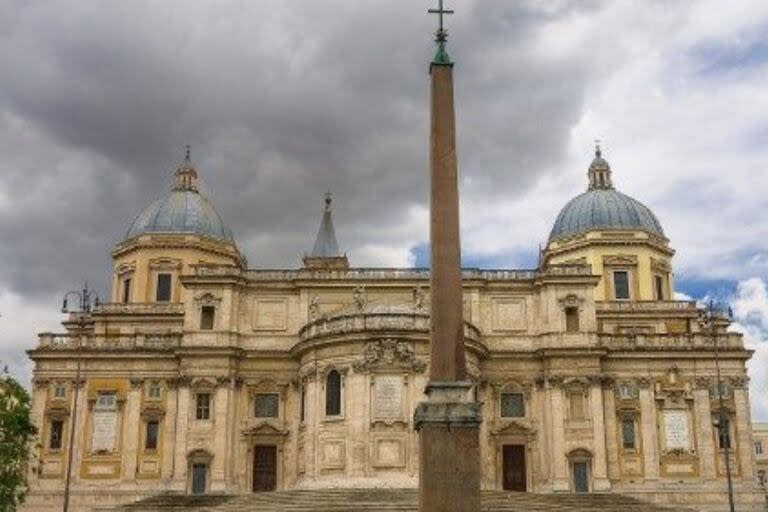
[676,429]
[388,397]
[104,427]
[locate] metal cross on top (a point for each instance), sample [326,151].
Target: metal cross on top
[441,34]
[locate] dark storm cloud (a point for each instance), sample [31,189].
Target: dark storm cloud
[281,102]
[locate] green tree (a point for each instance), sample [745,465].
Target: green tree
[16,435]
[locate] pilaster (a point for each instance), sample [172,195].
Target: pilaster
[131,432]
[182,427]
[649,420]
[600,480]
[560,482]
[705,435]
[743,432]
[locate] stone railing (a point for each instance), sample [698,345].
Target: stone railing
[698,341]
[51,341]
[646,306]
[386,274]
[371,322]
[139,308]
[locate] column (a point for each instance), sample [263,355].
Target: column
[599,465]
[650,438]
[705,434]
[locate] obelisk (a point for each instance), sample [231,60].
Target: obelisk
[448,421]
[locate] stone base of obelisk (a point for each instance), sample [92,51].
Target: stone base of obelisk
[448,423]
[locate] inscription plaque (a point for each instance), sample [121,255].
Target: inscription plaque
[104,426]
[676,429]
[388,397]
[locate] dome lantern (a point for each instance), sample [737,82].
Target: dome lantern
[599,172]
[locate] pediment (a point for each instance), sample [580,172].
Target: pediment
[514,428]
[264,428]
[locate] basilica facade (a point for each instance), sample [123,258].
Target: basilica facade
[200,375]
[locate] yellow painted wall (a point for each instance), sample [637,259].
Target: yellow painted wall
[142,274]
[598,248]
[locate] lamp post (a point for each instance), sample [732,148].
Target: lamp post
[708,318]
[86,299]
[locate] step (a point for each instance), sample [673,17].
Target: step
[385,500]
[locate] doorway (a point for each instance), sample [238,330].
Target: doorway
[199,478]
[264,468]
[513,456]
[581,477]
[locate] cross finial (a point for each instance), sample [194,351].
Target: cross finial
[186,152]
[328,199]
[598,151]
[441,35]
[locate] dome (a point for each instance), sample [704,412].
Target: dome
[183,210]
[603,208]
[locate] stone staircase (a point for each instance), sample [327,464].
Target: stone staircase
[385,500]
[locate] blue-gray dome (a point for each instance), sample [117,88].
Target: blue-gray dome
[603,208]
[183,210]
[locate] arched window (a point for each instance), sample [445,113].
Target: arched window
[333,394]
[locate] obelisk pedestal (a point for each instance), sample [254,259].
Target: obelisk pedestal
[448,422]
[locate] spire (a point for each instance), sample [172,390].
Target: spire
[186,174]
[441,57]
[599,171]
[325,253]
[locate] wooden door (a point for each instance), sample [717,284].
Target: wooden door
[580,477]
[199,478]
[264,468]
[514,467]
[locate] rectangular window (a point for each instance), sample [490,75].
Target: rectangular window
[57,432]
[207,314]
[628,438]
[758,447]
[576,400]
[621,284]
[163,288]
[267,405]
[571,319]
[512,405]
[127,289]
[106,401]
[59,391]
[724,433]
[303,413]
[659,285]
[153,428]
[154,392]
[203,406]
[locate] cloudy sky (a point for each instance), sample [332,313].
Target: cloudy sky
[282,101]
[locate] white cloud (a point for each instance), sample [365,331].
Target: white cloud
[750,309]
[20,321]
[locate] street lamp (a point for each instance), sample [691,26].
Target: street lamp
[86,298]
[708,319]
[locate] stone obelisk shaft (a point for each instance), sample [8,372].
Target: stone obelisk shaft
[448,420]
[447,332]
